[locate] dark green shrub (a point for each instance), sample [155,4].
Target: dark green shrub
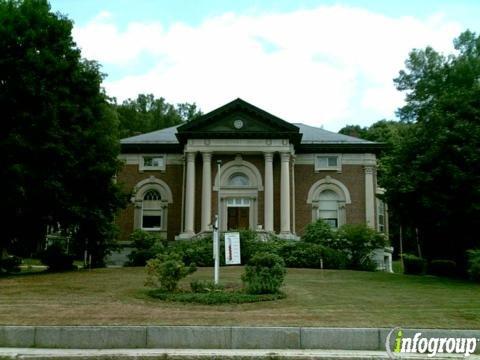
[413,265]
[56,259]
[442,267]
[264,274]
[474,264]
[147,246]
[198,251]
[334,259]
[300,254]
[359,241]
[204,286]
[214,298]
[165,271]
[319,232]
[10,264]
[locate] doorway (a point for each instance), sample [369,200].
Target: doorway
[238,218]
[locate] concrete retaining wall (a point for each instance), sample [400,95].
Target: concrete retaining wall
[207,337]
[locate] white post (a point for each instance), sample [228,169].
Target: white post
[206,191]
[216,250]
[268,192]
[216,239]
[369,197]
[190,195]
[285,194]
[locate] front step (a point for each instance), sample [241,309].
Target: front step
[204,354]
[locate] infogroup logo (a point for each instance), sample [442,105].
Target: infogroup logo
[430,346]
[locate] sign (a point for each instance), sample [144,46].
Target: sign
[232,248]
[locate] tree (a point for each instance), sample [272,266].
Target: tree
[146,113]
[432,176]
[58,134]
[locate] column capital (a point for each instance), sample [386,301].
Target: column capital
[285,156]
[268,156]
[369,169]
[206,155]
[190,156]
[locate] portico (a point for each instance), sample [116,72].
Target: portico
[239,186]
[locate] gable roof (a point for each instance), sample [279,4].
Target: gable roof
[306,138]
[260,124]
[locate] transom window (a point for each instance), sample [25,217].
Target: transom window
[238,202]
[152,210]
[328,207]
[238,179]
[327,162]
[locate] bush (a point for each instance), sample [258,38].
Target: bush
[359,241]
[165,271]
[413,265]
[474,264]
[147,246]
[205,286]
[442,267]
[334,259]
[10,264]
[56,259]
[319,232]
[264,274]
[214,298]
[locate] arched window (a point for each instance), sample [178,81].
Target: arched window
[238,179]
[328,207]
[152,210]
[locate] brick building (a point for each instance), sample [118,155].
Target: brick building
[275,176]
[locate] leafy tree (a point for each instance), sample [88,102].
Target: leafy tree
[58,134]
[432,176]
[146,113]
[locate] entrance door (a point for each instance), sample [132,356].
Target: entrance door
[238,218]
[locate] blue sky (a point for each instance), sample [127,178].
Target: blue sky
[324,63]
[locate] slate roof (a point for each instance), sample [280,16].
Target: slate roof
[310,135]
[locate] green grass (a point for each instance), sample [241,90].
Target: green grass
[314,298]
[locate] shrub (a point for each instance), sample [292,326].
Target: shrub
[334,259]
[264,274]
[359,241]
[474,264]
[10,264]
[413,265]
[442,267]
[147,246]
[165,271]
[205,286]
[319,232]
[214,298]
[56,259]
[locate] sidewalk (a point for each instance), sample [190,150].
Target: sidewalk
[203,354]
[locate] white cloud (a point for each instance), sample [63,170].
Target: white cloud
[327,66]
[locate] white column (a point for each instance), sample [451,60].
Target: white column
[206,191]
[285,194]
[268,206]
[369,197]
[190,195]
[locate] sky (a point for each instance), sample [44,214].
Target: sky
[322,63]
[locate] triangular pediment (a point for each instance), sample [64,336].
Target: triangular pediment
[238,119]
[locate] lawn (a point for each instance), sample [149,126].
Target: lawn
[314,298]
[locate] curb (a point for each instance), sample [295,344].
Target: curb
[208,337]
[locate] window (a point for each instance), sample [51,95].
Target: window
[327,162]
[238,179]
[381,215]
[152,162]
[152,210]
[238,202]
[328,207]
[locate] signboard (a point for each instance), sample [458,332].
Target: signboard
[232,248]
